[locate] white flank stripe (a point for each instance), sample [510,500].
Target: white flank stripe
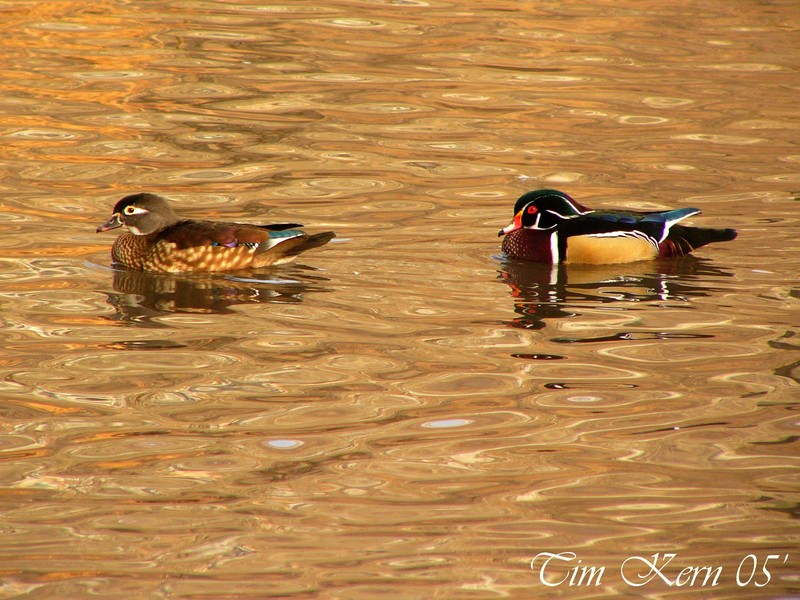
[632,234]
[554,247]
[668,224]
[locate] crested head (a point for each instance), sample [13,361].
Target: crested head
[142,214]
[548,198]
[543,210]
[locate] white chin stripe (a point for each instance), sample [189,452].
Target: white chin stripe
[537,227]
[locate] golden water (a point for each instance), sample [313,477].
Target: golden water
[403,414]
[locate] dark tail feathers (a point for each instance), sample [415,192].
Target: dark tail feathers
[685,238]
[288,249]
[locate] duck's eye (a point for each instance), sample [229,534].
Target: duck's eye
[532,210]
[130,210]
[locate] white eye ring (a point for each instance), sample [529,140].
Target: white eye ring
[133,210]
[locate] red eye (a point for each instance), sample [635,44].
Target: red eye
[532,210]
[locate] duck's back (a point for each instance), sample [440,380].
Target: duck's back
[207,246]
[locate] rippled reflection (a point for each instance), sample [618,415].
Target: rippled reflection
[541,292]
[396,424]
[139,296]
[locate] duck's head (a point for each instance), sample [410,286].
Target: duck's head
[542,210]
[142,214]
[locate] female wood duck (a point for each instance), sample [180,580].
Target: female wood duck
[551,227]
[160,240]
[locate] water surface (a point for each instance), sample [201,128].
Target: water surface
[405,413]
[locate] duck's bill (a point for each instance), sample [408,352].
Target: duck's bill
[513,226]
[112,223]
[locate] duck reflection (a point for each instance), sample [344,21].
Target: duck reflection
[139,296]
[543,291]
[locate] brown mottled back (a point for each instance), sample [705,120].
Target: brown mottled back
[158,240]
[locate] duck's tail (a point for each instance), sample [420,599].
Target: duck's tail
[683,239]
[286,247]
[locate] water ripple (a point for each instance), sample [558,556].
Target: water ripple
[407,393]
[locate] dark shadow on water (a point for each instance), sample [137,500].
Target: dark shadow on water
[788,341]
[138,297]
[541,292]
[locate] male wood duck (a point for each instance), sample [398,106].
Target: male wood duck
[160,240]
[551,227]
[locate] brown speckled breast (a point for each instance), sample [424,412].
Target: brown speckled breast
[130,250]
[527,244]
[144,253]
